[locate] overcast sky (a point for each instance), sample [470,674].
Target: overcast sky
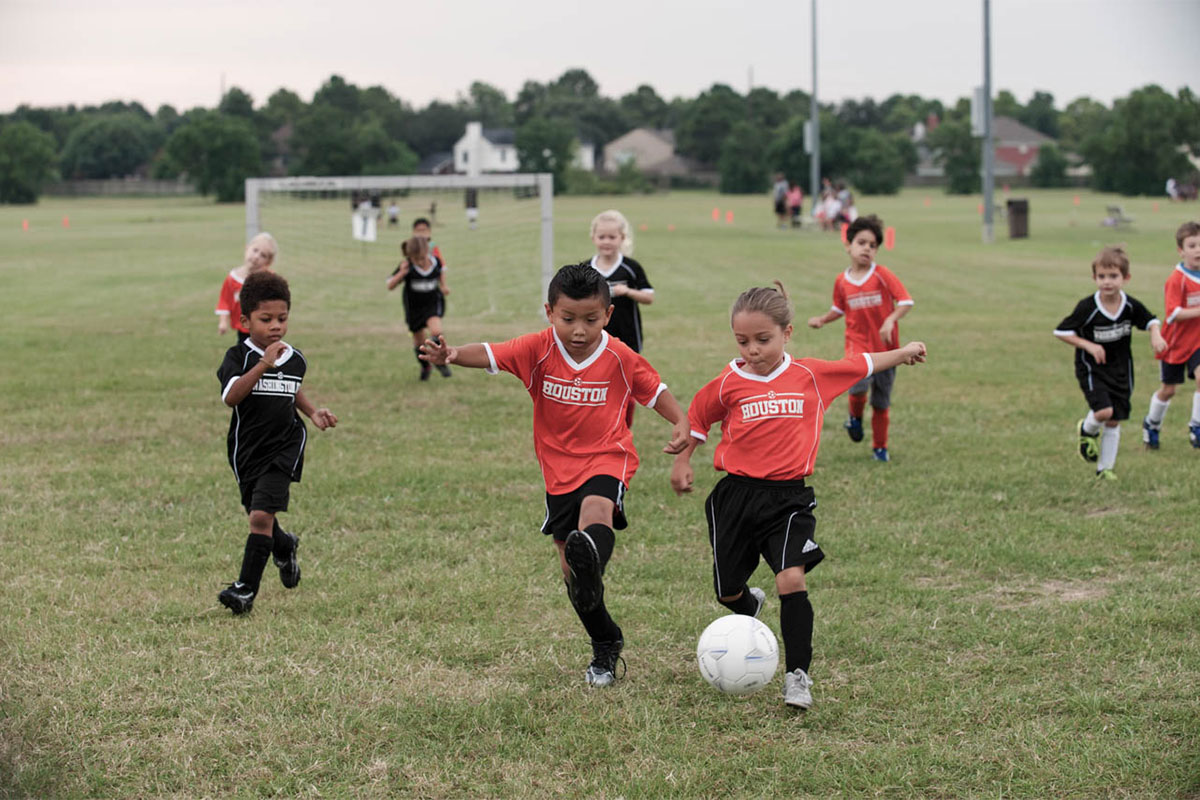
[55,52]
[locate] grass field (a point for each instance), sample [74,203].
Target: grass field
[991,622]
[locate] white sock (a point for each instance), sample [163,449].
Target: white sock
[1110,441]
[1195,409]
[1158,409]
[1090,426]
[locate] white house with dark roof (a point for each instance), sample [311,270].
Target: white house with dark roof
[483,150]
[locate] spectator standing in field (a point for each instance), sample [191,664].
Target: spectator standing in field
[260,255]
[1100,329]
[471,200]
[779,199]
[1182,334]
[795,198]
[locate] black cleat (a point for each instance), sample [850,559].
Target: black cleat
[237,597]
[443,370]
[585,585]
[605,655]
[425,371]
[289,567]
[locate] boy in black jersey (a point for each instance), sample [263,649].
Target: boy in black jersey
[1099,328]
[260,380]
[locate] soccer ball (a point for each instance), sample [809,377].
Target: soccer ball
[737,654]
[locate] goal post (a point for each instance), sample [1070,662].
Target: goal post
[539,185]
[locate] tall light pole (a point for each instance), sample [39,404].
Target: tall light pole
[814,119]
[989,151]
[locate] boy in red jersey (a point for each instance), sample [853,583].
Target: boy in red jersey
[872,299]
[770,407]
[580,380]
[1182,332]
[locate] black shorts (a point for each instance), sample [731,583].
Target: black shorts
[1102,390]
[780,207]
[1173,373]
[419,308]
[749,518]
[562,510]
[268,492]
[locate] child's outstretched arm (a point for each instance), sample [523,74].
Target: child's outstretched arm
[888,328]
[911,353]
[824,319]
[669,409]
[322,417]
[1096,351]
[436,351]
[636,295]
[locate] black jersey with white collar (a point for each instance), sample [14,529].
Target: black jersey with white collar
[1091,321]
[626,322]
[265,431]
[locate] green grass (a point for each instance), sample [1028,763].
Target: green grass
[991,622]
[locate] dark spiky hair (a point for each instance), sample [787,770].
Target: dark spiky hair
[578,282]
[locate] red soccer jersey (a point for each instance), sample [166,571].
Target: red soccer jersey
[1183,336]
[866,304]
[579,427]
[227,301]
[771,424]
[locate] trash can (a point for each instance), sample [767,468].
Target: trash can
[1018,218]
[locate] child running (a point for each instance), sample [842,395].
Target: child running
[260,254]
[260,380]
[627,281]
[872,299]
[580,379]
[424,294]
[1100,329]
[770,407]
[1182,335]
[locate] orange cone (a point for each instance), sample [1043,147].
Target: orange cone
[716,215]
[728,217]
[889,238]
[66,222]
[24,224]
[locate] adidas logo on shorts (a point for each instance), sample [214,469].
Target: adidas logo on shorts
[809,546]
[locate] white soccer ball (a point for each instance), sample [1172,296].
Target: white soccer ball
[737,654]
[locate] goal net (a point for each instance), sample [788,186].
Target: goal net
[341,236]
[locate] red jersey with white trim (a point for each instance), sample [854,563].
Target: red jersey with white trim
[227,301]
[771,424]
[1183,336]
[866,304]
[579,427]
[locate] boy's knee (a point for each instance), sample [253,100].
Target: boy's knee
[790,580]
[262,522]
[1166,391]
[731,597]
[1103,414]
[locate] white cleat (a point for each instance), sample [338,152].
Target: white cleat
[797,689]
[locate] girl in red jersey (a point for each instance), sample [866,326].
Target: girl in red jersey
[770,407]
[260,255]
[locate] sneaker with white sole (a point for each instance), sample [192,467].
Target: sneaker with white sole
[760,596]
[237,597]
[1089,443]
[605,655]
[797,689]
[1194,435]
[1150,434]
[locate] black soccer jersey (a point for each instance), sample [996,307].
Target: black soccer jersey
[626,322]
[265,431]
[1090,321]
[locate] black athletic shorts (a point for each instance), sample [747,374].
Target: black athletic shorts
[1100,392]
[419,308]
[1173,373]
[268,492]
[562,510]
[750,518]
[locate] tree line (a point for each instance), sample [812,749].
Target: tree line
[1132,146]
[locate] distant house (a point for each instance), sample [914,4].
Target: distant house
[1017,147]
[483,150]
[651,151]
[585,156]
[436,164]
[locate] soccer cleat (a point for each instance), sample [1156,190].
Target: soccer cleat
[585,585]
[443,370]
[605,655]
[853,426]
[1089,444]
[880,454]
[1194,435]
[797,689]
[425,371]
[759,595]
[1150,434]
[237,597]
[289,568]
[1106,475]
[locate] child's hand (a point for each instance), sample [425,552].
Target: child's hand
[445,291]
[273,352]
[436,351]
[914,353]
[815,322]
[222,325]
[681,435]
[1157,342]
[681,477]
[323,418]
[1097,352]
[618,290]
[886,330]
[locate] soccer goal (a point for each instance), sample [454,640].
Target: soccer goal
[496,232]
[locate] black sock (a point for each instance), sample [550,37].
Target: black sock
[796,624]
[746,604]
[281,545]
[604,539]
[424,364]
[254,560]
[599,624]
